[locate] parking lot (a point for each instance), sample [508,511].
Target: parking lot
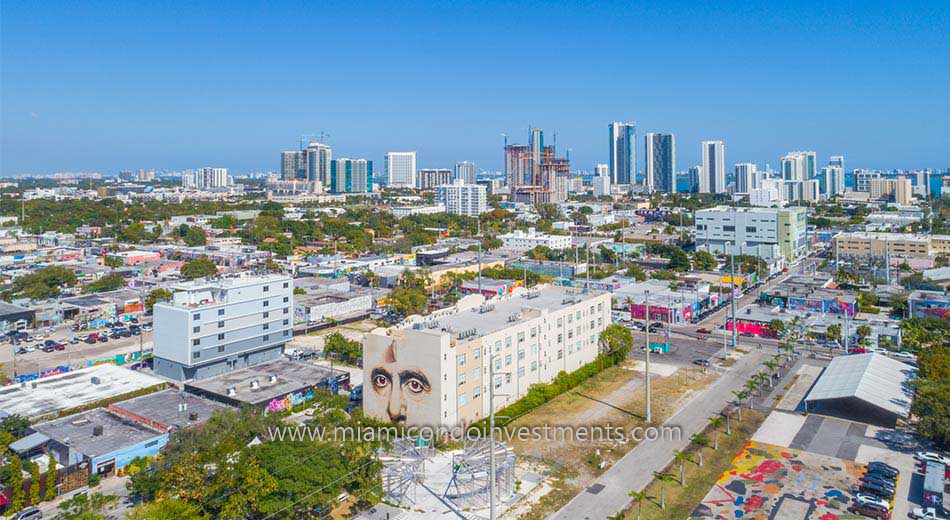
[73,352]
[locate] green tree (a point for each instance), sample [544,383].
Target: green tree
[704,261]
[195,236]
[700,441]
[616,341]
[347,350]
[86,507]
[681,458]
[113,261]
[934,363]
[715,422]
[932,410]
[167,508]
[51,478]
[34,484]
[15,425]
[15,483]
[776,326]
[408,300]
[638,497]
[833,333]
[637,272]
[198,268]
[678,260]
[44,283]
[863,331]
[159,294]
[109,282]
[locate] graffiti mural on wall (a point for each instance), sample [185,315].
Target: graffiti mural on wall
[289,401]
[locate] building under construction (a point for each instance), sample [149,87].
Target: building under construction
[534,173]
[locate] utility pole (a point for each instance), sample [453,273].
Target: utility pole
[732,297]
[479,267]
[649,415]
[491,436]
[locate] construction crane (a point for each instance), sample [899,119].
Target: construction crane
[306,139]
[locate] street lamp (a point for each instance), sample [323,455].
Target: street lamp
[646,320]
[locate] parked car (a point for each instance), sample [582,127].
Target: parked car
[929,456]
[904,355]
[857,350]
[747,334]
[930,513]
[869,510]
[883,467]
[701,362]
[49,342]
[103,339]
[868,488]
[30,513]
[871,499]
[703,330]
[877,480]
[147,327]
[59,346]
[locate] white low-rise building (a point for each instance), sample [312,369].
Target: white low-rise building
[521,241]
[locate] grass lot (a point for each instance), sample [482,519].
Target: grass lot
[680,501]
[615,396]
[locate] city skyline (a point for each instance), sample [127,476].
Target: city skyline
[139,97]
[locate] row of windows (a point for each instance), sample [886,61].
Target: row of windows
[197,316]
[197,341]
[197,328]
[197,354]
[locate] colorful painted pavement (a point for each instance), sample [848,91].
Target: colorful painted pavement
[768,482]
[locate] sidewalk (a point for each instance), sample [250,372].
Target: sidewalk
[609,493]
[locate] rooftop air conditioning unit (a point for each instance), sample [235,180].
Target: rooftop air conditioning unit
[193,416]
[231,391]
[97,430]
[272,378]
[255,384]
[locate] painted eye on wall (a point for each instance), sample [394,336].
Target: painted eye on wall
[380,381]
[416,386]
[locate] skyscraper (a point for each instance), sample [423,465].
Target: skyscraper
[623,152]
[660,163]
[746,177]
[466,171]
[351,176]
[713,177]
[832,180]
[401,169]
[207,178]
[694,174]
[535,173]
[836,160]
[318,162]
[799,166]
[292,164]
[429,178]
[461,198]
[601,170]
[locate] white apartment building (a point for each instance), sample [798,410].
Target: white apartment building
[765,232]
[223,324]
[401,169]
[406,211]
[747,177]
[521,241]
[460,198]
[435,371]
[769,194]
[712,178]
[833,180]
[799,166]
[206,178]
[601,185]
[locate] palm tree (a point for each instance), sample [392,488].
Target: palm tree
[740,396]
[681,458]
[771,365]
[701,442]
[751,386]
[638,497]
[662,478]
[762,378]
[715,423]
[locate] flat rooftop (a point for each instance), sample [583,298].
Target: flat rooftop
[78,432]
[40,397]
[503,312]
[170,408]
[228,282]
[288,377]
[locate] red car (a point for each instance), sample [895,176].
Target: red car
[857,350]
[703,331]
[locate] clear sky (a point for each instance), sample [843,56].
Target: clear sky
[105,86]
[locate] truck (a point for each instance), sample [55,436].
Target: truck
[934,477]
[930,513]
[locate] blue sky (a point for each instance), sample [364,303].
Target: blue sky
[104,86]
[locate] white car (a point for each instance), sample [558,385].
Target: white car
[863,498]
[929,456]
[904,355]
[39,337]
[929,514]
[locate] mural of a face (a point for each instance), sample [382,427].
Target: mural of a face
[403,387]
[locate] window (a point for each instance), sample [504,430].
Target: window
[560,322]
[476,373]
[286,322]
[220,336]
[266,303]
[498,364]
[266,288]
[508,342]
[521,337]
[221,348]
[195,342]
[508,360]
[498,346]
[267,326]
[286,333]
[196,355]
[196,316]
[560,354]
[286,285]
[750,229]
[462,379]
[477,391]
[266,337]
[196,329]
[461,360]
[477,353]
[534,332]
[520,355]
[520,371]
[267,315]
[507,378]
[462,400]
[560,338]
[286,299]
[286,310]
[220,312]
[497,382]
[534,366]
[220,324]
[728,228]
